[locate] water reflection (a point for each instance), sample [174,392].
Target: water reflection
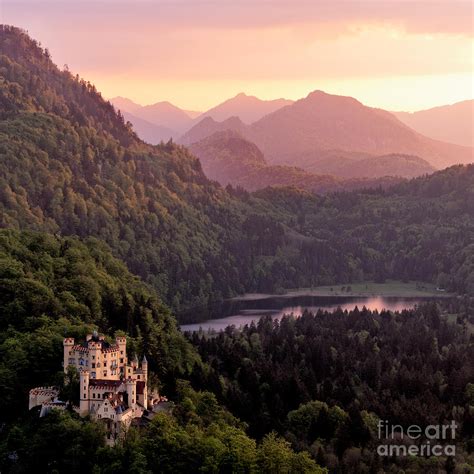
[241,312]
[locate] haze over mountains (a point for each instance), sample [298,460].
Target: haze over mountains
[248,108]
[229,158]
[450,123]
[322,134]
[173,121]
[339,136]
[162,114]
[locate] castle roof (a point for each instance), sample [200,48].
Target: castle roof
[99,339]
[105,383]
[104,346]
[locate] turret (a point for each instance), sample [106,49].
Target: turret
[145,368]
[68,344]
[95,358]
[84,392]
[121,342]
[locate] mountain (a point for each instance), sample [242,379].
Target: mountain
[248,108]
[167,114]
[226,156]
[208,126]
[163,114]
[126,105]
[450,123]
[147,131]
[229,158]
[323,124]
[328,122]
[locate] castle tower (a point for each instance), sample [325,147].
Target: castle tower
[131,392]
[68,344]
[95,358]
[122,345]
[84,392]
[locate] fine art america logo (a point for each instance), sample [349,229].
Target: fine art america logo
[433,440]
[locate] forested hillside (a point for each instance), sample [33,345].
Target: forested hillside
[324,380]
[51,287]
[70,165]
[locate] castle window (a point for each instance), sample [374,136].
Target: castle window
[93,365]
[138,377]
[93,395]
[105,373]
[121,360]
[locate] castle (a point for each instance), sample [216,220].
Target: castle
[112,390]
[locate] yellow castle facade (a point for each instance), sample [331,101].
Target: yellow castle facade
[112,389]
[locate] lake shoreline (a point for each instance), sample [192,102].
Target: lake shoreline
[394,289]
[239,312]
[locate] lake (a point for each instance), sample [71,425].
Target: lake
[241,311]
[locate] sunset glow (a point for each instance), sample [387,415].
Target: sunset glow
[395,55]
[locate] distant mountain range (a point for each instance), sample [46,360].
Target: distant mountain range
[173,121]
[248,108]
[322,134]
[147,131]
[449,123]
[322,125]
[170,120]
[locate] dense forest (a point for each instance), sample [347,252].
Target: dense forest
[323,380]
[297,394]
[70,165]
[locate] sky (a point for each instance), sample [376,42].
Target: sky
[398,55]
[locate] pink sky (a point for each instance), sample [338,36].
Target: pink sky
[399,55]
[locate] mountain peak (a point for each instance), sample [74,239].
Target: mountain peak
[325,96]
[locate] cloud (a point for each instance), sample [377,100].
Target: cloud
[249,42]
[433,17]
